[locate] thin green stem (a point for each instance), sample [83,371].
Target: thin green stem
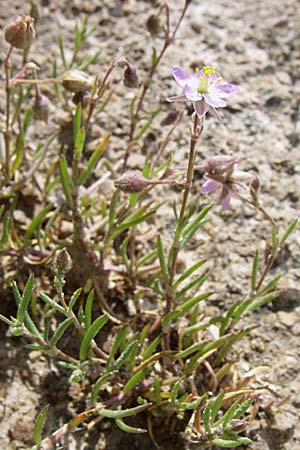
[7,116]
[195,134]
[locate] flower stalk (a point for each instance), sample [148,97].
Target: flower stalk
[195,134]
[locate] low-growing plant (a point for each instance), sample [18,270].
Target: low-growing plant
[98,264]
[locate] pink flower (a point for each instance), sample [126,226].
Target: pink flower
[228,179]
[203,88]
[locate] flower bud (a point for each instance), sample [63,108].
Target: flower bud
[62,262]
[131,182]
[75,80]
[131,77]
[20,31]
[170,118]
[153,25]
[255,184]
[41,108]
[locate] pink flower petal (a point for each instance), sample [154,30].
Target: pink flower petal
[209,186]
[225,89]
[182,77]
[177,98]
[214,101]
[225,201]
[192,94]
[201,107]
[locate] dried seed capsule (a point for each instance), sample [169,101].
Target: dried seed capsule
[41,108]
[153,25]
[76,81]
[170,118]
[131,182]
[131,77]
[20,31]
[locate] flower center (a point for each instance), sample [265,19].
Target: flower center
[205,79]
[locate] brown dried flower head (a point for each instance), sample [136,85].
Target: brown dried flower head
[131,77]
[41,108]
[20,31]
[154,25]
[62,262]
[131,182]
[75,80]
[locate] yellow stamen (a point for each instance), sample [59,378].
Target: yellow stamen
[208,71]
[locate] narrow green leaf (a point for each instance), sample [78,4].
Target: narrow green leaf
[195,223]
[126,225]
[194,284]
[270,286]
[75,296]
[257,303]
[151,348]
[117,414]
[175,391]
[88,310]
[102,380]
[135,379]
[27,119]
[124,427]
[207,418]
[162,261]
[254,271]
[225,443]
[118,340]
[79,144]
[36,223]
[125,354]
[275,240]
[90,334]
[38,425]
[62,52]
[25,299]
[76,124]
[113,207]
[5,228]
[188,273]
[66,181]
[63,326]
[288,231]
[216,406]
[201,347]
[52,303]
[93,160]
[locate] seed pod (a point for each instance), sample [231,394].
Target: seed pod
[170,118]
[131,77]
[153,25]
[20,31]
[131,182]
[76,81]
[41,108]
